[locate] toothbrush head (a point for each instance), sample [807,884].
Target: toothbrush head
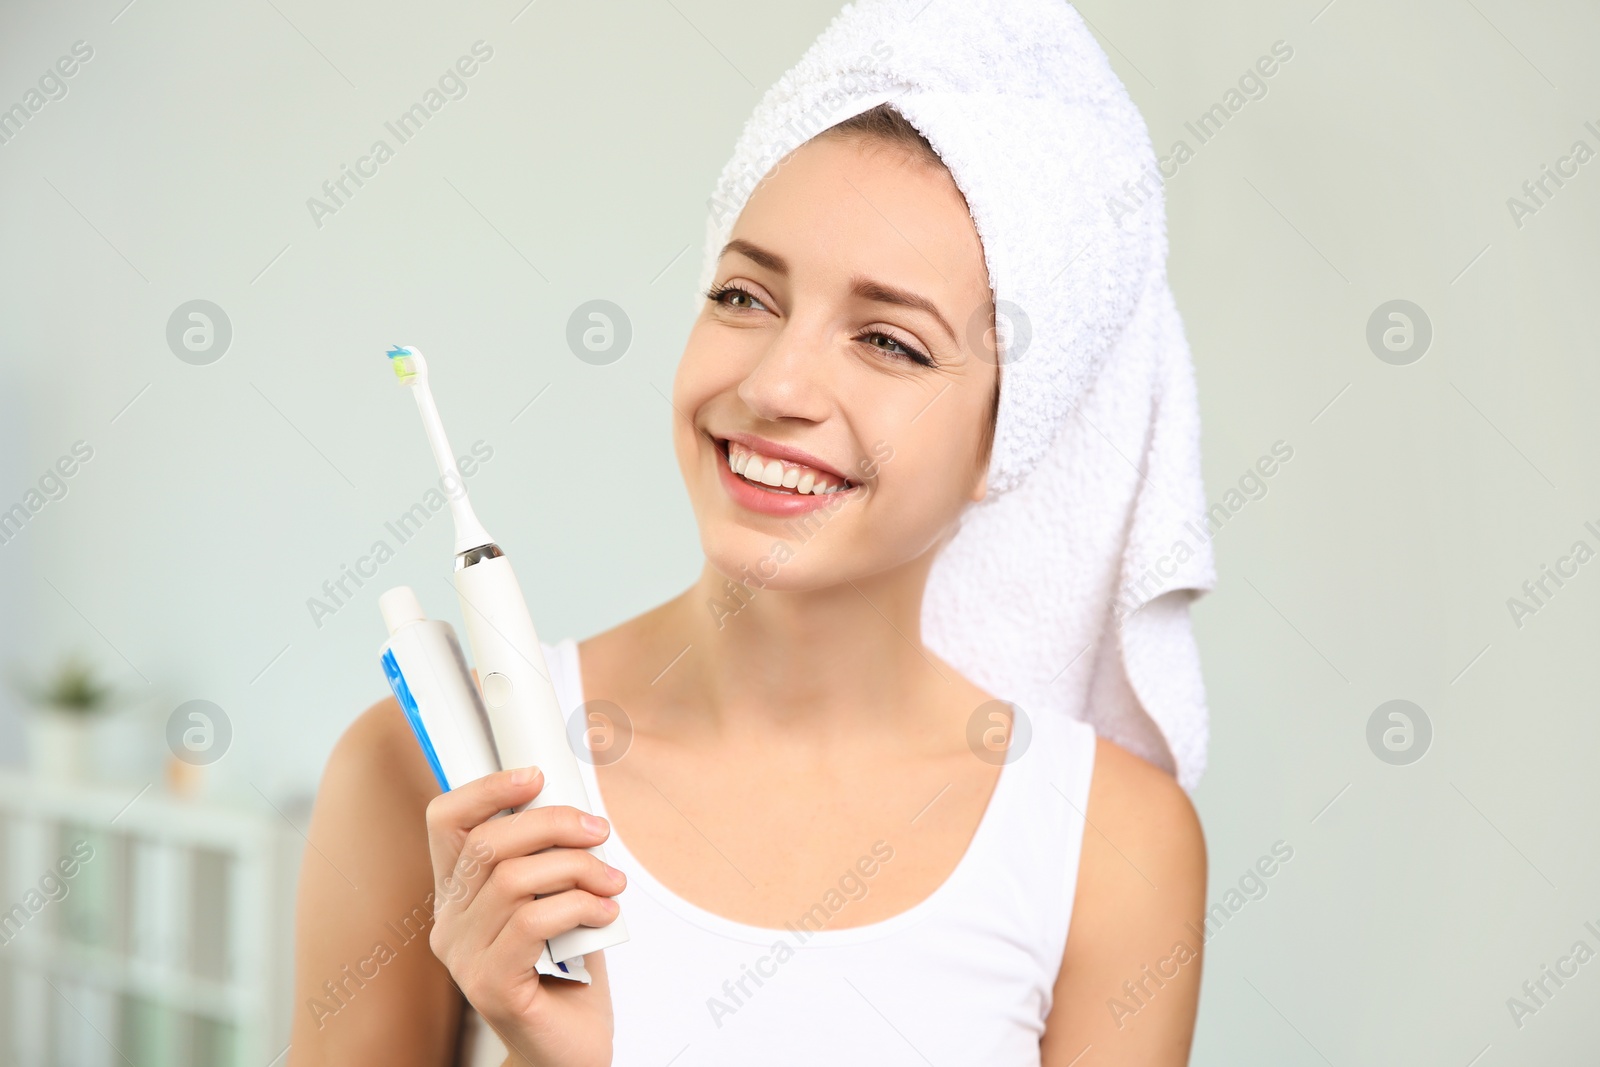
[412,370]
[409,366]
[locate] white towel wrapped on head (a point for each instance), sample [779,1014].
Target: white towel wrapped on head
[1066,590]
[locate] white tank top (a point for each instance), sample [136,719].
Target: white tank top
[964,977]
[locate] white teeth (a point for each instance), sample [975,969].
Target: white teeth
[774,472]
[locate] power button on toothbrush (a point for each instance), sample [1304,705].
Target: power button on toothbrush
[496,690]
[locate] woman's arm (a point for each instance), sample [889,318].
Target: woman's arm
[1130,976]
[367,988]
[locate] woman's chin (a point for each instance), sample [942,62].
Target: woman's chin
[743,555]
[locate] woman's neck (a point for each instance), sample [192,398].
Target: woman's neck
[765,660]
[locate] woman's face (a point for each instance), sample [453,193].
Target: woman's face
[849,344]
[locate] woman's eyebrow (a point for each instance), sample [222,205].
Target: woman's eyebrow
[760,256]
[865,288]
[880,293]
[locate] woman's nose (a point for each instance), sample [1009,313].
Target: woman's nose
[792,377]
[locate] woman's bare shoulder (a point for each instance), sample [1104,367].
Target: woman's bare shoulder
[1134,801]
[370,815]
[1139,902]
[378,752]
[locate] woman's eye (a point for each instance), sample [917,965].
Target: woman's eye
[896,348]
[734,296]
[725,295]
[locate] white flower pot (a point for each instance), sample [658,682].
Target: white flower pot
[58,745]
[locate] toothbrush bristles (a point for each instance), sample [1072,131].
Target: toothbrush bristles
[404,366]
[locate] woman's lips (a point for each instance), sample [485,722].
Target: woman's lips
[788,455]
[768,500]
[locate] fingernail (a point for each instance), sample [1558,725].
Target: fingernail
[593,823]
[523,775]
[610,905]
[614,874]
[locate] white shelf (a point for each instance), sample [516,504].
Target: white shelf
[187,903]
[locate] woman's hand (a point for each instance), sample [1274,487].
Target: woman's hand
[489,929]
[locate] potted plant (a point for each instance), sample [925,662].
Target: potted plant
[65,706]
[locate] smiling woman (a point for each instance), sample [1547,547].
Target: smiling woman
[859,404]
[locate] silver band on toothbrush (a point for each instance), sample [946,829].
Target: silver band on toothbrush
[477,555]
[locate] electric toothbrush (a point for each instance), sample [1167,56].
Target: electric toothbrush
[524,711]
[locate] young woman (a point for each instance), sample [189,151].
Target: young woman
[794,750]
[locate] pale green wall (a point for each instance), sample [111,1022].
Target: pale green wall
[1378,565]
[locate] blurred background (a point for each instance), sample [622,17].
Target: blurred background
[1385,252]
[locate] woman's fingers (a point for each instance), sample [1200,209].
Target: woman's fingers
[523,833]
[453,816]
[465,932]
[519,943]
[500,978]
[465,856]
[518,880]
